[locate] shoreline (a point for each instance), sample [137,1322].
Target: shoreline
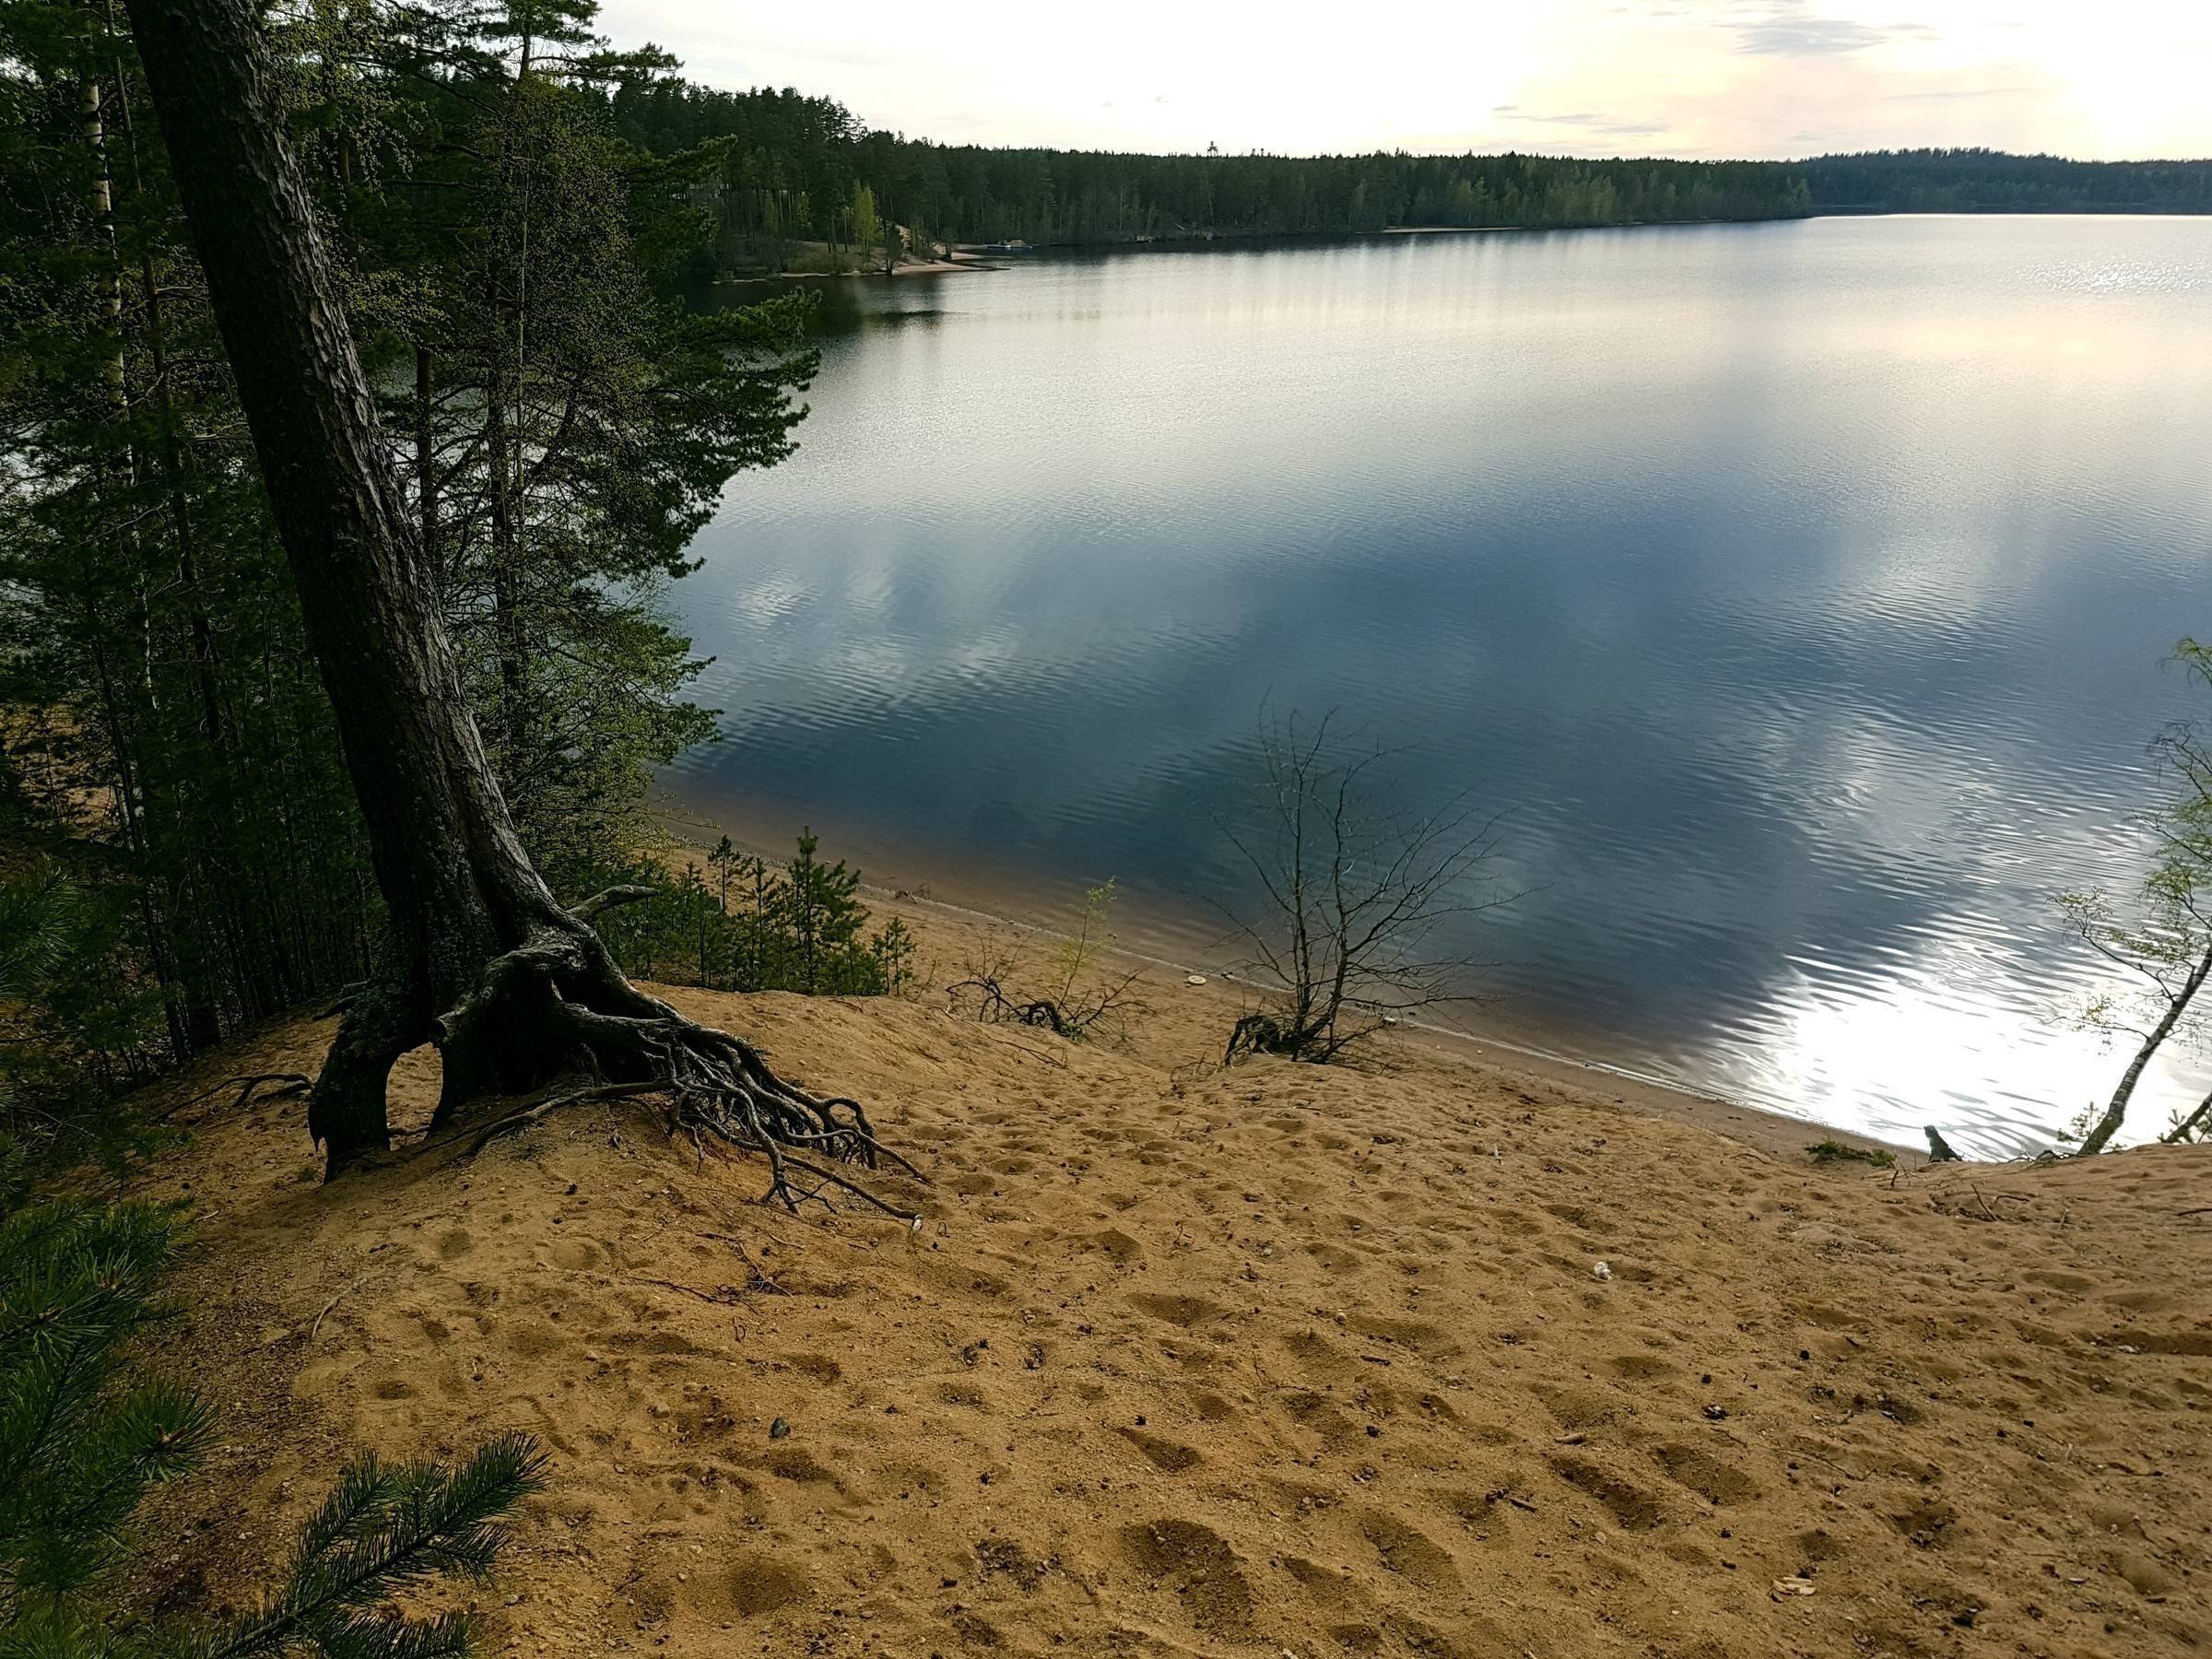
[953,266]
[984,902]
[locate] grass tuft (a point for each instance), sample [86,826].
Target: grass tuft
[1834,1151]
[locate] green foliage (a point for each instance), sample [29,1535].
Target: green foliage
[80,1444]
[746,924]
[71,1034]
[382,1529]
[1984,181]
[2159,940]
[568,431]
[1831,1150]
[792,168]
[1089,995]
[564,432]
[36,914]
[75,1453]
[168,745]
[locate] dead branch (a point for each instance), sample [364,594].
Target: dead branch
[1351,895]
[1075,1001]
[290,1085]
[612,898]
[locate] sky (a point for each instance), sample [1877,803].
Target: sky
[2095,78]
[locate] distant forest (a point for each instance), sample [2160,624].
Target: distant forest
[793,177]
[795,170]
[1985,180]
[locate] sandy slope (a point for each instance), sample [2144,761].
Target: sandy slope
[1273,1361]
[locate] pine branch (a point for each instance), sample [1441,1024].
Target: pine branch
[379,1531]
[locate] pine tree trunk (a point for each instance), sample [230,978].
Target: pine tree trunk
[458,887]
[479,959]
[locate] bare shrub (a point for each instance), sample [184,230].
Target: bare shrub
[1075,992]
[1353,895]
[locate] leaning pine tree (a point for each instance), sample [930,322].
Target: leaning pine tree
[480,959]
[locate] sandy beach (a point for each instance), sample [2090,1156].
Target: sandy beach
[1428,1356]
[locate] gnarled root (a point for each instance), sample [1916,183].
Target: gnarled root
[560,1004]
[1256,1034]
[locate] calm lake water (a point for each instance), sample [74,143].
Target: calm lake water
[1800,590]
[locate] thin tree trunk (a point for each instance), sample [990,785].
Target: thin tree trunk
[95,131]
[182,1041]
[2115,1111]
[2189,1126]
[426,463]
[174,466]
[508,642]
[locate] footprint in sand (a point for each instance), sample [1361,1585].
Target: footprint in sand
[763,1583]
[1634,1509]
[1119,1246]
[1330,1586]
[1197,1565]
[1181,1310]
[1699,1471]
[1164,1454]
[1410,1554]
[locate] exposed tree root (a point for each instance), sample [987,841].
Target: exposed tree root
[561,1002]
[755,1114]
[557,1007]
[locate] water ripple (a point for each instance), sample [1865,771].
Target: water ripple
[1798,588]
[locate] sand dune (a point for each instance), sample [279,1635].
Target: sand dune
[1276,1360]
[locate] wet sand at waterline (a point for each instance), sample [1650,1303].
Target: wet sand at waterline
[963,913]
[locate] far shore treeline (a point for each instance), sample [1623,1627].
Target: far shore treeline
[791,169]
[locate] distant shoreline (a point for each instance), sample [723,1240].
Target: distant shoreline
[955,265]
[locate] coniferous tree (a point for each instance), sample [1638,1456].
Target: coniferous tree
[478,956]
[171,751]
[76,1453]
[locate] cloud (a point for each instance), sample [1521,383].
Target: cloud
[1956,92]
[1790,28]
[1606,125]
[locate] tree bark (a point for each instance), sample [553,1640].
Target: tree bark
[425,464]
[2189,1126]
[458,887]
[2115,1111]
[478,958]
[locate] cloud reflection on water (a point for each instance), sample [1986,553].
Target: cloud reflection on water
[1799,588]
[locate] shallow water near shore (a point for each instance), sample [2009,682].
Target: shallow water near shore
[1798,591]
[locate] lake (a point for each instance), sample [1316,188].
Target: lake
[1800,591]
